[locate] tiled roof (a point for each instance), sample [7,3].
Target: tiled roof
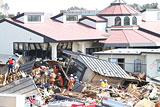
[118,9]
[131,37]
[68,31]
[104,67]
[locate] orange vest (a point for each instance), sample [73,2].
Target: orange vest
[44,68]
[55,70]
[60,79]
[10,61]
[71,83]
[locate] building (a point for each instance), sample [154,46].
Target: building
[91,69]
[134,60]
[117,26]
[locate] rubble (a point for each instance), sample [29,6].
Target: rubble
[132,93]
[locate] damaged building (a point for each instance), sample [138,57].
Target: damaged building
[91,69]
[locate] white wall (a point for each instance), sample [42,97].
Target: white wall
[81,46]
[151,60]
[150,15]
[101,25]
[128,59]
[11,33]
[89,23]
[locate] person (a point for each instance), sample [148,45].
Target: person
[44,75]
[102,84]
[55,69]
[71,82]
[76,79]
[106,86]
[52,78]
[10,64]
[59,80]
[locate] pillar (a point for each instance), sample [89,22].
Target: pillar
[54,51]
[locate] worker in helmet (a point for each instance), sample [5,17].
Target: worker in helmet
[76,79]
[59,80]
[106,86]
[10,64]
[52,78]
[71,82]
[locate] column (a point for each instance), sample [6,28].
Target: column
[54,51]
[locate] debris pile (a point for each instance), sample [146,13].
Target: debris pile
[136,93]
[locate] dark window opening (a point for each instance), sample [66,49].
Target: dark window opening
[34,18]
[33,50]
[134,21]
[63,46]
[91,50]
[126,21]
[72,18]
[117,21]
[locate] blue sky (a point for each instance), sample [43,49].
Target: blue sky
[53,6]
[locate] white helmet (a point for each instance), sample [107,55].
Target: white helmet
[71,75]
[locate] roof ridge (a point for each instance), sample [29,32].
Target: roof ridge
[125,36]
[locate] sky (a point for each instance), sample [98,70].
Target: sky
[54,6]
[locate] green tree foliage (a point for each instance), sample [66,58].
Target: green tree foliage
[145,6]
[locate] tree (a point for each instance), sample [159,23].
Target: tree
[145,6]
[72,8]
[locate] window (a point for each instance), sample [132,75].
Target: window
[91,50]
[72,18]
[117,21]
[126,21]
[158,66]
[134,21]
[158,15]
[137,65]
[34,18]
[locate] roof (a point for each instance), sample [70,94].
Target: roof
[104,67]
[96,18]
[21,86]
[131,38]
[27,67]
[68,31]
[125,51]
[118,9]
[152,26]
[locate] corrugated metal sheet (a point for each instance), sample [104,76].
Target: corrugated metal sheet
[22,86]
[27,67]
[103,67]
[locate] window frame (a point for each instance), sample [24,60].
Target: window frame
[133,20]
[137,65]
[116,20]
[126,21]
[33,18]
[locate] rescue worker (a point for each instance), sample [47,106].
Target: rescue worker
[102,83]
[71,82]
[44,74]
[59,80]
[76,79]
[106,86]
[10,64]
[52,77]
[55,69]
